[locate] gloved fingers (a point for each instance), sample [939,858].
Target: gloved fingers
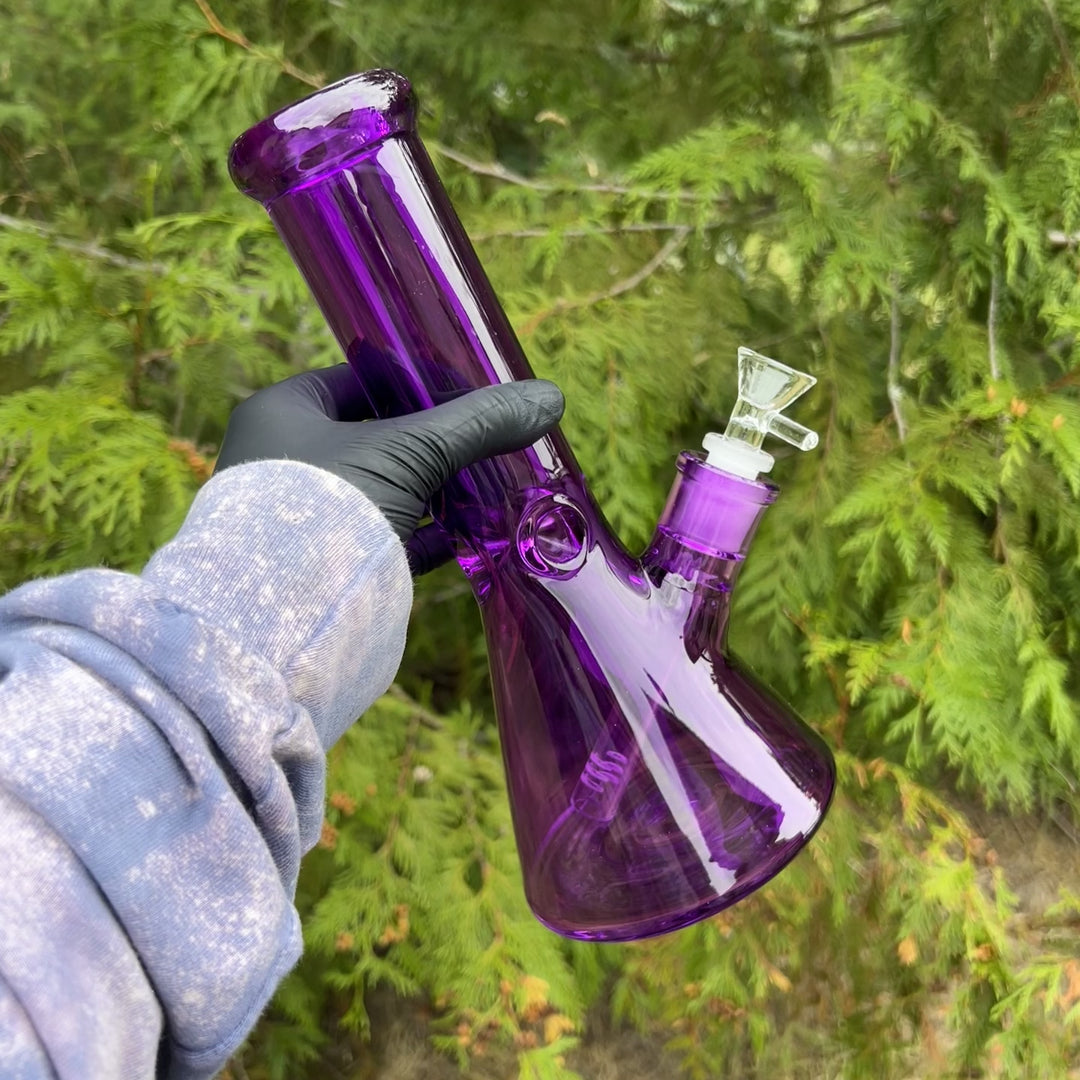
[483,423]
[334,392]
[428,547]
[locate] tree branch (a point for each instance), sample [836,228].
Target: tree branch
[103,254]
[841,16]
[861,37]
[237,38]
[500,172]
[620,287]
[91,251]
[750,217]
[600,230]
[215,25]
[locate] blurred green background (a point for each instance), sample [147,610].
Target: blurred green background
[885,194]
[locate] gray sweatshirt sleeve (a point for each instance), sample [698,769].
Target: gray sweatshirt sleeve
[162,765]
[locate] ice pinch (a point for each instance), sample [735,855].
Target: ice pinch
[653,781]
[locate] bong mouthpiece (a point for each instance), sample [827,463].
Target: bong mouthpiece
[766,387]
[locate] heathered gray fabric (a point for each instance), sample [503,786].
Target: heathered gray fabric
[162,769]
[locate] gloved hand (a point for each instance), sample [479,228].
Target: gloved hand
[399,464]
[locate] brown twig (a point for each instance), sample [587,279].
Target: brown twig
[239,39]
[215,25]
[612,291]
[202,467]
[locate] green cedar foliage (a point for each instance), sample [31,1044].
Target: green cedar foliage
[886,194]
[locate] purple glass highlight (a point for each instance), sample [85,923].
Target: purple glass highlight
[652,781]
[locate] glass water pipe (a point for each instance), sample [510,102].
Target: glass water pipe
[653,781]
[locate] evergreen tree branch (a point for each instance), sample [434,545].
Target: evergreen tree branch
[91,251]
[106,255]
[237,38]
[500,172]
[612,291]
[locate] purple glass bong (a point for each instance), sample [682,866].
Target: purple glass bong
[652,780]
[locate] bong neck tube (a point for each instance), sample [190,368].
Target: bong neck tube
[357,202]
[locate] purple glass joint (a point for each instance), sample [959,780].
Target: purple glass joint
[653,781]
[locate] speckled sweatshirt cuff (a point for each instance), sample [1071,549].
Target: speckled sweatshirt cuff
[298,566]
[162,769]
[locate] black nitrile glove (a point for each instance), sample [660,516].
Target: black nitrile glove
[399,464]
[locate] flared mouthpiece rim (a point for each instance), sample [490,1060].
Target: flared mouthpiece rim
[321,133]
